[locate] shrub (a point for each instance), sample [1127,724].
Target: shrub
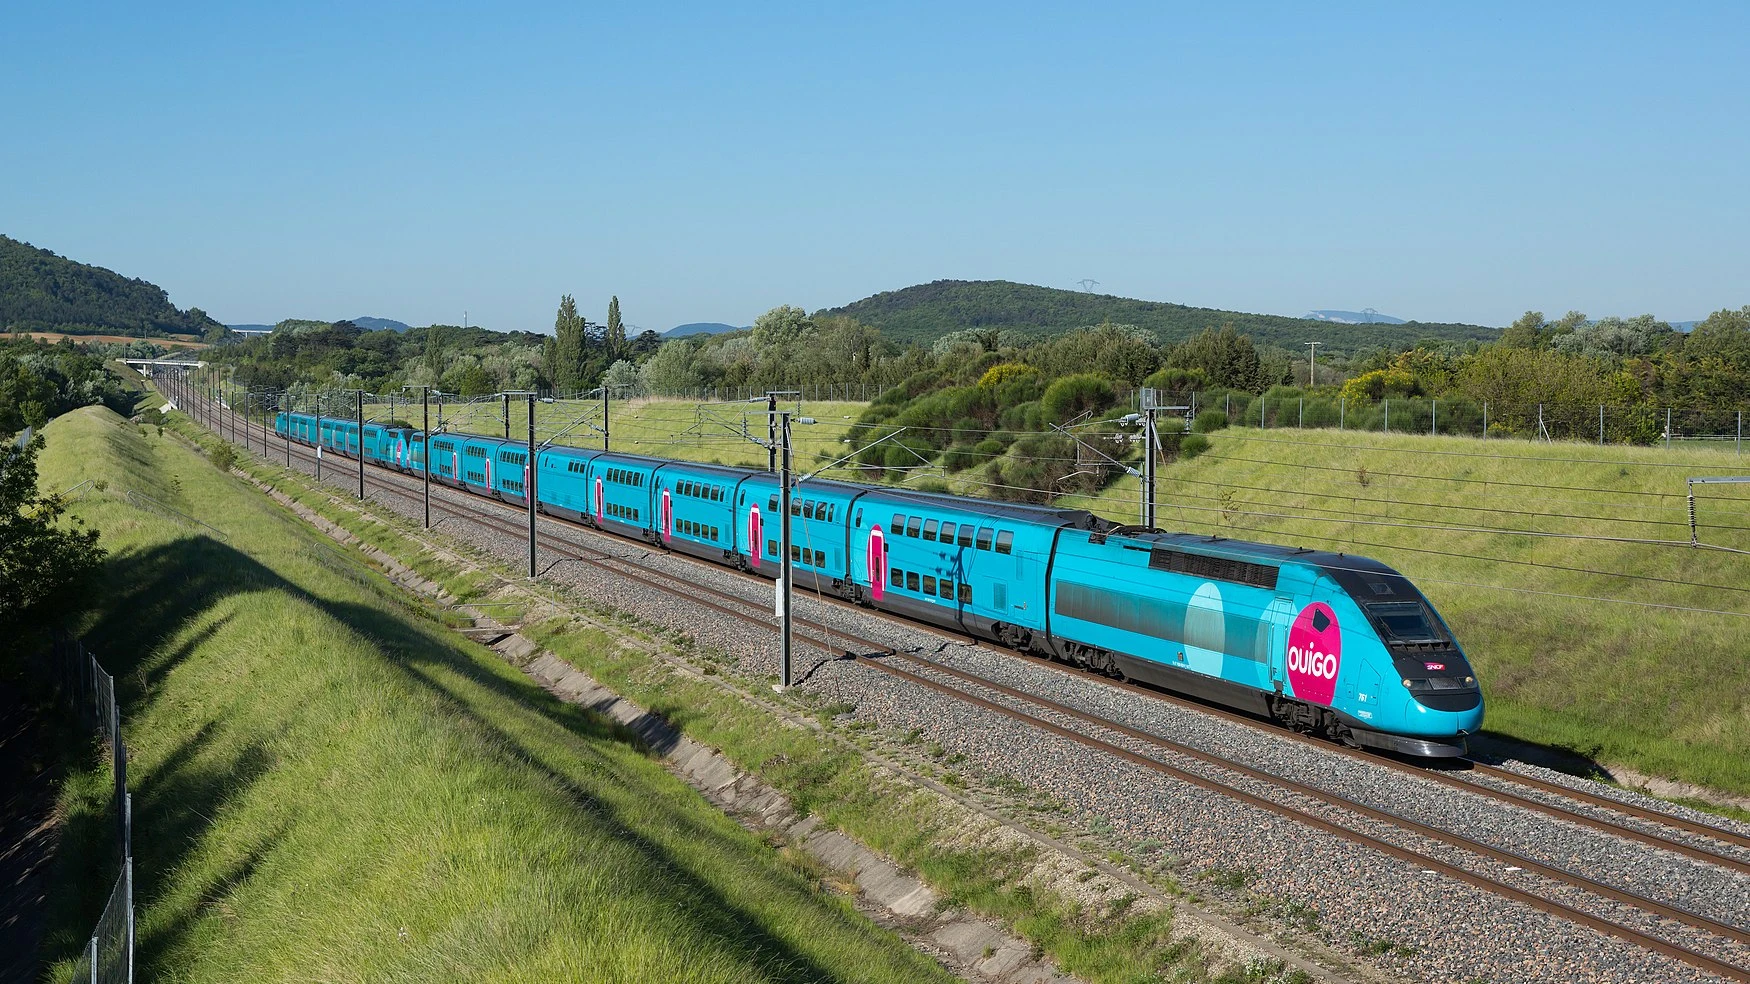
[961,457]
[1074,395]
[223,456]
[1209,420]
[1004,372]
[1192,445]
[990,447]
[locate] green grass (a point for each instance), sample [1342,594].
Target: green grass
[663,428]
[1601,675]
[329,786]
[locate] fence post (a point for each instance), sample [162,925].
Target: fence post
[1387,403]
[1342,410]
[1740,432]
[1260,411]
[1600,425]
[128,897]
[1667,428]
[1227,406]
[93,951]
[1433,417]
[1485,420]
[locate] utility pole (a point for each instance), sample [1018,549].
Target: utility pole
[361,448]
[246,398]
[784,551]
[507,416]
[1312,365]
[771,432]
[529,480]
[1148,467]
[425,408]
[318,436]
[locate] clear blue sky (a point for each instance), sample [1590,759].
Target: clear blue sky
[1458,162]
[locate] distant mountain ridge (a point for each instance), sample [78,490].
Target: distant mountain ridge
[701,328]
[41,291]
[928,311]
[1355,317]
[368,324]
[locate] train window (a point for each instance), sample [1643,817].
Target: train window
[772,505]
[912,523]
[965,593]
[898,526]
[984,537]
[717,494]
[713,532]
[966,536]
[911,581]
[929,585]
[859,519]
[948,533]
[808,510]
[930,529]
[795,553]
[1404,621]
[796,507]
[945,589]
[820,558]
[1005,542]
[771,548]
[897,577]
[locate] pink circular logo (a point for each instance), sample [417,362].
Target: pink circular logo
[1315,652]
[877,559]
[753,535]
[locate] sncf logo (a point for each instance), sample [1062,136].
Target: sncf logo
[1315,654]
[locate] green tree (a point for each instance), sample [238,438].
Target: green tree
[781,327]
[1725,336]
[43,563]
[1525,333]
[615,337]
[570,347]
[1225,357]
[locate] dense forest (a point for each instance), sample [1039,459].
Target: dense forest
[40,291]
[928,311]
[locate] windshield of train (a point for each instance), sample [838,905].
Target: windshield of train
[1405,621]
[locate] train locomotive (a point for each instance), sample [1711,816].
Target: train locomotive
[1325,643]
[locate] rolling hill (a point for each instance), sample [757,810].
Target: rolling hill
[40,291]
[928,311]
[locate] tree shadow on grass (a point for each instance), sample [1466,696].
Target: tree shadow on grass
[152,596]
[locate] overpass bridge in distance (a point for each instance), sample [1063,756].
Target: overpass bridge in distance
[144,365]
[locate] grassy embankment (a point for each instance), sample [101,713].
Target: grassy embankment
[1603,675]
[329,786]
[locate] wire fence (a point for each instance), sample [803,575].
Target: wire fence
[108,956]
[1591,423]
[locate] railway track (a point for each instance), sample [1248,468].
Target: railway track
[1050,716]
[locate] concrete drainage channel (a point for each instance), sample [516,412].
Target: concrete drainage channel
[974,948]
